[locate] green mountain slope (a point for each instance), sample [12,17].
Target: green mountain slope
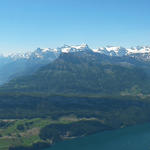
[86,73]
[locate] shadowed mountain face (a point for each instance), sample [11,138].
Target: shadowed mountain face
[86,72]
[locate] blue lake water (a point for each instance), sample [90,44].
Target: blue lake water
[131,138]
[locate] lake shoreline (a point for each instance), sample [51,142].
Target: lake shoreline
[47,146]
[130,130]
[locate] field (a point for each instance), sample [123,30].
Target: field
[25,132]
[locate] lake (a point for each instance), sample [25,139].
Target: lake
[130,138]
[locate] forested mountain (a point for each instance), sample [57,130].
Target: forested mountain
[86,72]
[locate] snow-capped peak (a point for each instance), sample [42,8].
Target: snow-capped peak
[76,48]
[82,46]
[112,51]
[139,49]
[18,55]
[43,50]
[121,51]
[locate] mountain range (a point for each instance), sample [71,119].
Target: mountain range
[43,53]
[83,71]
[108,62]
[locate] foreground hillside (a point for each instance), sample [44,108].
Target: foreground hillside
[33,121]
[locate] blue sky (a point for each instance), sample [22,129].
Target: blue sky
[28,24]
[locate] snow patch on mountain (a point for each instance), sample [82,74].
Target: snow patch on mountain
[68,49]
[121,51]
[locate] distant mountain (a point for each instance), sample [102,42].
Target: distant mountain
[13,65]
[142,53]
[86,72]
